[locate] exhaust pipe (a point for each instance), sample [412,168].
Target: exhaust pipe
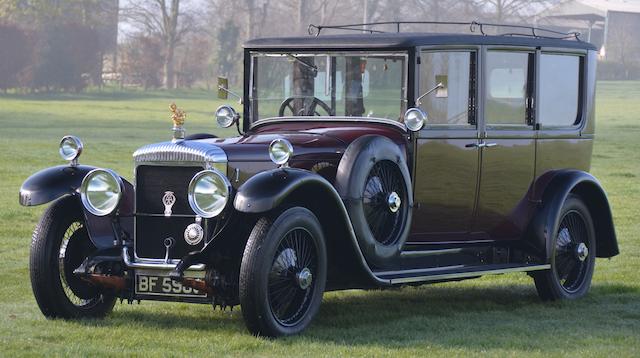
[116,283]
[197,284]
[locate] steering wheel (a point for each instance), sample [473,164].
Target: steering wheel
[309,108]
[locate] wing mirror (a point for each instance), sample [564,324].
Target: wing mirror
[414,119]
[223,87]
[223,90]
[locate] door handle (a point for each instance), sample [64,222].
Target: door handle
[480,145]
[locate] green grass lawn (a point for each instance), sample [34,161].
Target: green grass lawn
[497,316]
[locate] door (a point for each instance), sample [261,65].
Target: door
[507,144]
[446,168]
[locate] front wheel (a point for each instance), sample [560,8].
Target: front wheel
[60,244]
[573,255]
[283,273]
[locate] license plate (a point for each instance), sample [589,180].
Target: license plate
[164,286]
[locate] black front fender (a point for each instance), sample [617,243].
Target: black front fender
[52,183]
[267,190]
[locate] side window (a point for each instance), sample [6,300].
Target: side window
[559,90]
[507,88]
[450,104]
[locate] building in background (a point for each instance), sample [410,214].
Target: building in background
[611,25]
[108,32]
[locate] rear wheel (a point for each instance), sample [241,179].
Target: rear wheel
[60,244]
[283,273]
[573,255]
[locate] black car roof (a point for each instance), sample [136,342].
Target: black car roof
[406,40]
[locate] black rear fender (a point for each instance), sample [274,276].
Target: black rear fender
[559,186]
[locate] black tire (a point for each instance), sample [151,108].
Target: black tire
[274,301]
[60,243]
[380,232]
[571,272]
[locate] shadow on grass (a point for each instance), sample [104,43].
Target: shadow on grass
[442,315]
[481,317]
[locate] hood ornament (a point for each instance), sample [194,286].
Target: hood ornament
[177,116]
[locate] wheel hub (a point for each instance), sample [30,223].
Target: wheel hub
[304,278]
[582,251]
[394,202]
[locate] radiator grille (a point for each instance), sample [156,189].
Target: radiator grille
[151,226]
[153,181]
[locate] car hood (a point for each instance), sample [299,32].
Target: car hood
[254,147]
[311,141]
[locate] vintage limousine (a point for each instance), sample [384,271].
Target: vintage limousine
[362,161]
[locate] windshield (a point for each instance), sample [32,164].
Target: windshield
[352,84]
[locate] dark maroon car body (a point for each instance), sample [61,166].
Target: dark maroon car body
[483,198]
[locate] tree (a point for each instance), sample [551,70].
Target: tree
[65,56]
[227,52]
[191,59]
[162,18]
[16,52]
[510,10]
[139,63]
[95,18]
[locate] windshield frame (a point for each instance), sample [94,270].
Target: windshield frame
[251,56]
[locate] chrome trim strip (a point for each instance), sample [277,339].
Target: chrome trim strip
[451,276]
[187,274]
[180,152]
[422,270]
[155,264]
[329,119]
[312,53]
[430,252]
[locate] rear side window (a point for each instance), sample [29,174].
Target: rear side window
[559,90]
[508,88]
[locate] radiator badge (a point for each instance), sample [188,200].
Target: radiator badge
[168,200]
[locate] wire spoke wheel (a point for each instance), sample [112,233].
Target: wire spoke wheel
[283,273]
[571,251]
[383,199]
[291,278]
[75,246]
[59,246]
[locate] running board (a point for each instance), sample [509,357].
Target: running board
[453,272]
[425,253]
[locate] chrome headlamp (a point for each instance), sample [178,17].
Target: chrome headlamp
[226,116]
[101,191]
[280,151]
[209,193]
[70,148]
[414,119]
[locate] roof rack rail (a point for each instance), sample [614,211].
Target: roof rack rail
[474,26]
